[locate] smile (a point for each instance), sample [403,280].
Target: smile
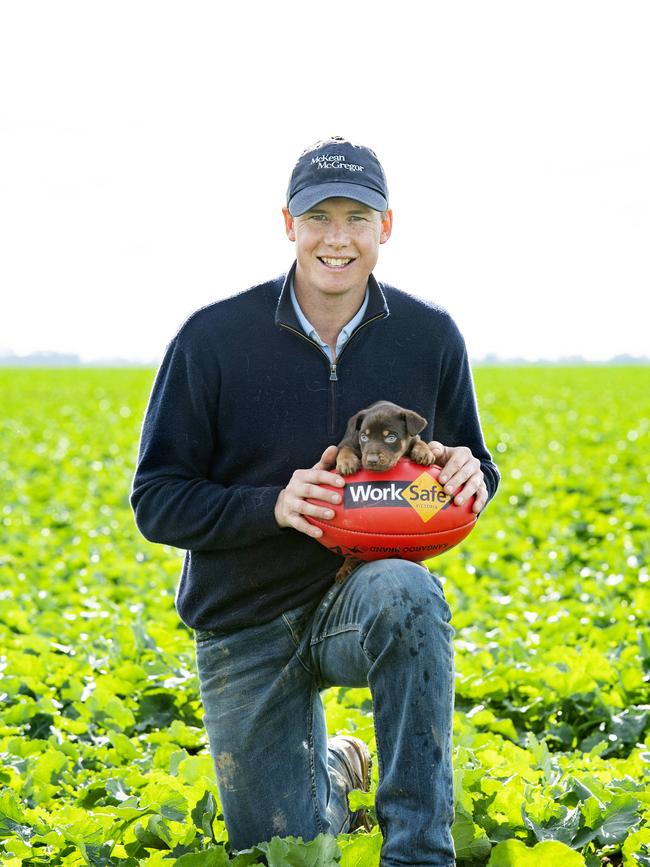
[335,263]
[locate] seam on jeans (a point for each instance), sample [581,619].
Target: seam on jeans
[370,656]
[312,763]
[292,633]
[451,804]
[338,630]
[307,668]
[296,643]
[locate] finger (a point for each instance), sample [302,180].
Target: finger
[438,451]
[303,526]
[310,484]
[469,488]
[327,459]
[294,504]
[481,500]
[300,508]
[460,466]
[297,506]
[288,514]
[314,492]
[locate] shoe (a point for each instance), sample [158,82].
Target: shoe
[356,760]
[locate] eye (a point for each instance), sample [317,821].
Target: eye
[391,438]
[363,438]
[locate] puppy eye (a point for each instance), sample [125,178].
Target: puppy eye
[363,438]
[391,438]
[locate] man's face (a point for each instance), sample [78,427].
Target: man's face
[337,245]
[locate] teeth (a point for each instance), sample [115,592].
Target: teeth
[335,263]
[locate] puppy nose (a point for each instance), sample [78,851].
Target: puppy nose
[372,459]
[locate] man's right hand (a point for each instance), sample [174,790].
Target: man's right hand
[292,504]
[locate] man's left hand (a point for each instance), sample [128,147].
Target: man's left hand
[460,467]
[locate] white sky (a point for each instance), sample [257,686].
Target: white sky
[145,149]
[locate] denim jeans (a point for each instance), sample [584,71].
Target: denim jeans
[386,627]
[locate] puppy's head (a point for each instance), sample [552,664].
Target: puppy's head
[385,431]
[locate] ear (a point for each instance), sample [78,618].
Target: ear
[386,226]
[351,437]
[288,224]
[414,422]
[358,419]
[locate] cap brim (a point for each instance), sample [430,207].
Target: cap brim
[310,196]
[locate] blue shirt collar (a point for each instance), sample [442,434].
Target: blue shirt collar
[345,332]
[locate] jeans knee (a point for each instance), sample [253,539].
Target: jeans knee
[408,605]
[400,583]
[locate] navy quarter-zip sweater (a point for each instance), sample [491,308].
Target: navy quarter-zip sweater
[242,399]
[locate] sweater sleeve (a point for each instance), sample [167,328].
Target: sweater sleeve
[174,500]
[457,419]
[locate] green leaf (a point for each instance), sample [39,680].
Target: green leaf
[513,853]
[157,710]
[149,839]
[40,726]
[169,802]
[322,851]
[204,813]
[245,858]
[629,725]
[360,850]
[562,829]
[123,745]
[618,820]
[18,848]
[215,856]
[193,768]
[97,855]
[470,841]
[359,800]
[636,849]
[12,820]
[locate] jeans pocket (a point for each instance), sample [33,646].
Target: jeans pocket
[203,635]
[297,620]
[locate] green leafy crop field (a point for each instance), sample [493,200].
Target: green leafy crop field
[103,754]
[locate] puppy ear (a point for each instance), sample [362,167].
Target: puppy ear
[414,422]
[351,437]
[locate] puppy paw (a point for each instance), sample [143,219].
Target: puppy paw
[422,454]
[349,565]
[347,462]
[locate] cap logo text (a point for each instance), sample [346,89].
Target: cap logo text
[335,161]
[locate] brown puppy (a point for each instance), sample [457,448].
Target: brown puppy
[375,439]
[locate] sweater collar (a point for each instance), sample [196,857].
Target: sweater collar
[286,315]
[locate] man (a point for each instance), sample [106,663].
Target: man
[250,389]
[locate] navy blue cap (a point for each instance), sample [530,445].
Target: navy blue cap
[337,167]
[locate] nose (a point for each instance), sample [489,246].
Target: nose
[337,233]
[372,459]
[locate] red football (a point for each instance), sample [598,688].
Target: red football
[403,512]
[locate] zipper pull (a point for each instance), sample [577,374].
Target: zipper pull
[333,376]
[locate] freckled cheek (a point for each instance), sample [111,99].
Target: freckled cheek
[370,257]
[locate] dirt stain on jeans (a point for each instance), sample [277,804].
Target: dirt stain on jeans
[436,753]
[279,822]
[226,768]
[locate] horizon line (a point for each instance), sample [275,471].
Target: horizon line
[51,358]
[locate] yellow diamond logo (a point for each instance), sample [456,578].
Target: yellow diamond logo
[426,496]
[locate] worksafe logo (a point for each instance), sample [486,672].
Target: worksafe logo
[424,494]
